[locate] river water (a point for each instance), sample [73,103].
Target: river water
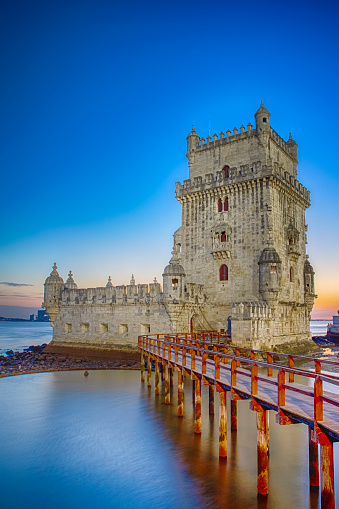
[68,441]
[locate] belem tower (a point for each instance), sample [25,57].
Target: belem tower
[239,257]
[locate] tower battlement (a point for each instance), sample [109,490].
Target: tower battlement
[246,173]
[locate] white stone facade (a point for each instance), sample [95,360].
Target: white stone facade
[239,254]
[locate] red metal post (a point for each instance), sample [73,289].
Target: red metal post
[167,386]
[281,388]
[149,371]
[217,367]
[234,415]
[318,402]
[180,394]
[327,473]
[269,361]
[157,377]
[291,365]
[211,400]
[262,452]
[254,380]
[142,366]
[197,417]
[313,460]
[223,426]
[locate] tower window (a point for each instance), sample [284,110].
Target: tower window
[219,205]
[223,272]
[223,237]
[226,170]
[264,119]
[273,269]
[226,204]
[291,274]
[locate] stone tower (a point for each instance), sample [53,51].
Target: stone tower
[243,233]
[239,255]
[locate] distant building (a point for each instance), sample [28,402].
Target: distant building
[239,255]
[31,317]
[42,316]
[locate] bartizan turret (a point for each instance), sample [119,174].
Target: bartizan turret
[269,275]
[54,284]
[173,279]
[192,144]
[263,129]
[309,285]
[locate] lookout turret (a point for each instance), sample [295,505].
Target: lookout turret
[192,142]
[269,275]
[53,286]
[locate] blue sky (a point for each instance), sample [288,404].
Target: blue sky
[97,99]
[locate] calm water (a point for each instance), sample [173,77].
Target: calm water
[20,335]
[107,441]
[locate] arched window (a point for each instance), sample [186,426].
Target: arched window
[291,274]
[223,273]
[226,204]
[219,205]
[226,170]
[223,237]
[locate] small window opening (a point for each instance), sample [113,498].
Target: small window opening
[226,204]
[219,205]
[174,281]
[264,119]
[84,327]
[291,274]
[103,328]
[123,328]
[223,237]
[273,269]
[68,328]
[223,272]
[226,170]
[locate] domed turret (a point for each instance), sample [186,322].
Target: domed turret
[192,141]
[70,284]
[293,147]
[269,275]
[173,278]
[109,282]
[308,278]
[53,286]
[262,118]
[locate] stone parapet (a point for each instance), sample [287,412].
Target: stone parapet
[239,175]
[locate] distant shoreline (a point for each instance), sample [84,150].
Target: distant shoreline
[3,319]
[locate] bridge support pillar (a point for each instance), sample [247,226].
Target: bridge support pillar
[167,386]
[171,377]
[211,400]
[142,367]
[262,451]
[180,394]
[313,460]
[197,417]
[234,415]
[223,426]
[327,473]
[149,371]
[193,391]
[162,371]
[157,377]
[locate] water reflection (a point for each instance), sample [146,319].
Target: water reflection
[108,441]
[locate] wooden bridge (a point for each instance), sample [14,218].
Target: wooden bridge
[266,379]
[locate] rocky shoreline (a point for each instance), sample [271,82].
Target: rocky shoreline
[37,359]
